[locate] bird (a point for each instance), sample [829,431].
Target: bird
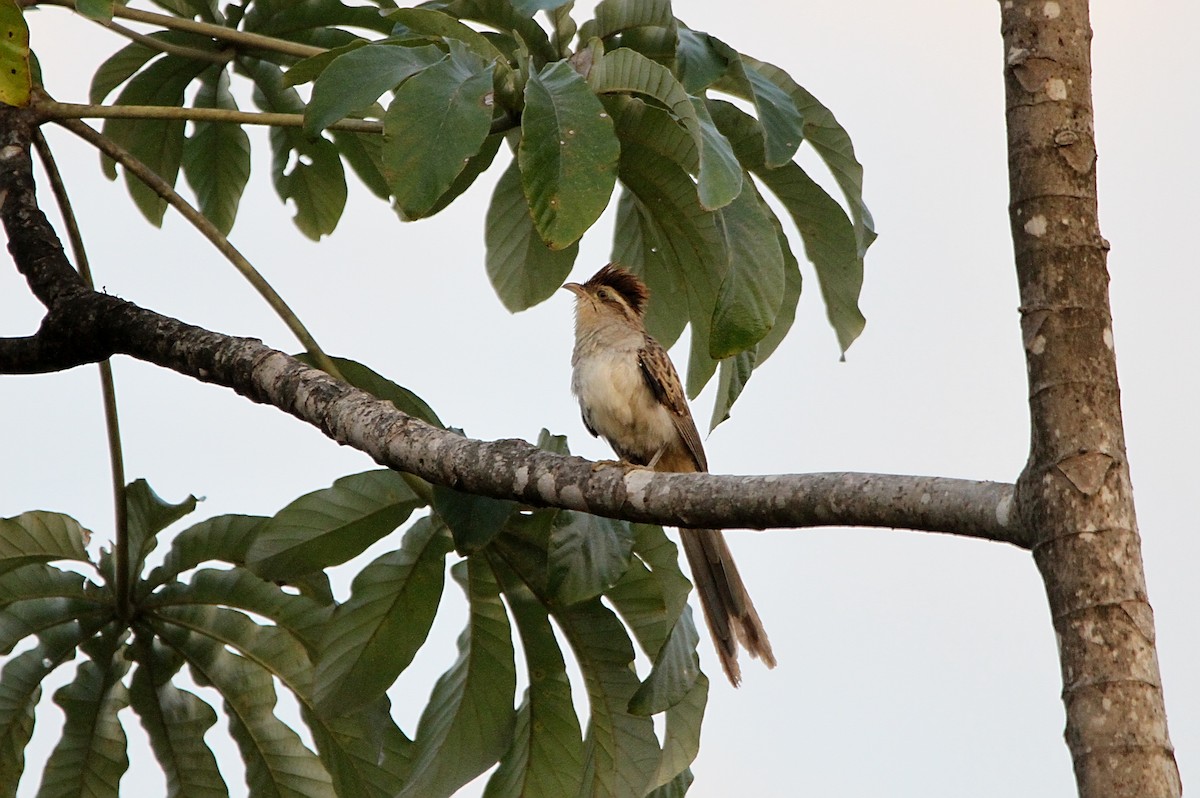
[630,394]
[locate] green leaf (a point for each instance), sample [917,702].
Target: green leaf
[501,15]
[437,120]
[732,377]
[365,379]
[175,721]
[364,153]
[621,751]
[444,27]
[587,554]
[568,154]
[20,692]
[653,592]
[299,615]
[15,77]
[831,142]
[468,723]
[782,123]
[157,143]
[530,7]
[307,69]
[614,16]
[329,526]
[546,758]
[639,246]
[675,671]
[700,65]
[372,638]
[90,757]
[41,580]
[473,520]
[628,72]
[356,79]
[312,177]
[148,515]
[681,743]
[753,287]
[216,157]
[39,536]
[476,166]
[676,788]
[367,754]
[223,538]
[95,9]
[28,617]
[792,283]
[277,763]
[828,235]
[522,269]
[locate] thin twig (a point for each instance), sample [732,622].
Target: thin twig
[222,57]
[220,32]
[52,109]
[209,231]
[108,390]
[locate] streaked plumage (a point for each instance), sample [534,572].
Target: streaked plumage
[631,395]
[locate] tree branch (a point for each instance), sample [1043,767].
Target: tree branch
[51,109]
[85,326]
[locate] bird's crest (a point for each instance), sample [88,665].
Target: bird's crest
[628,285]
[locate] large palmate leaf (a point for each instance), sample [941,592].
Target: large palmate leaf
[568,154]
[372,637]
[468,724]
[277,763]
[223,538]
[329,526]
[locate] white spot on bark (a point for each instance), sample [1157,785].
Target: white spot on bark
[635,486]
[521,478]
[1056,89]
[1051,10]
[573,497]
[926,498]
[545,486]
[1004,511]
[1008,4]
[1108,338]
[1039,345]
[1036,226]
[11,151]
[1017,55]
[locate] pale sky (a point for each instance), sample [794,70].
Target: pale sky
[909,664]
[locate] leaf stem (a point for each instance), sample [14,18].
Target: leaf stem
[108,389]
[52,109]
[209,231]
[219,32]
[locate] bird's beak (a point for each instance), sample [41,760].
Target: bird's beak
[575,288]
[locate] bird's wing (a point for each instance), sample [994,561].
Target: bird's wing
[664,382]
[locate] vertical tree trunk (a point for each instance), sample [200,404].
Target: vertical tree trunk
[1075,493]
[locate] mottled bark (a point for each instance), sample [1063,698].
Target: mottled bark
[1075,494]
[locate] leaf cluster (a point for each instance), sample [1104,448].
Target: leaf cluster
[242,604]
[695,141]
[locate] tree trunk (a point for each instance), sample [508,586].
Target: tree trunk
[1075,494]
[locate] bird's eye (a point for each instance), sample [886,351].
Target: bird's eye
[604,294]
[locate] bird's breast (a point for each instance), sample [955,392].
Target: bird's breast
[620,407]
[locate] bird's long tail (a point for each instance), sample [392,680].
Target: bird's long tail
[728,610]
